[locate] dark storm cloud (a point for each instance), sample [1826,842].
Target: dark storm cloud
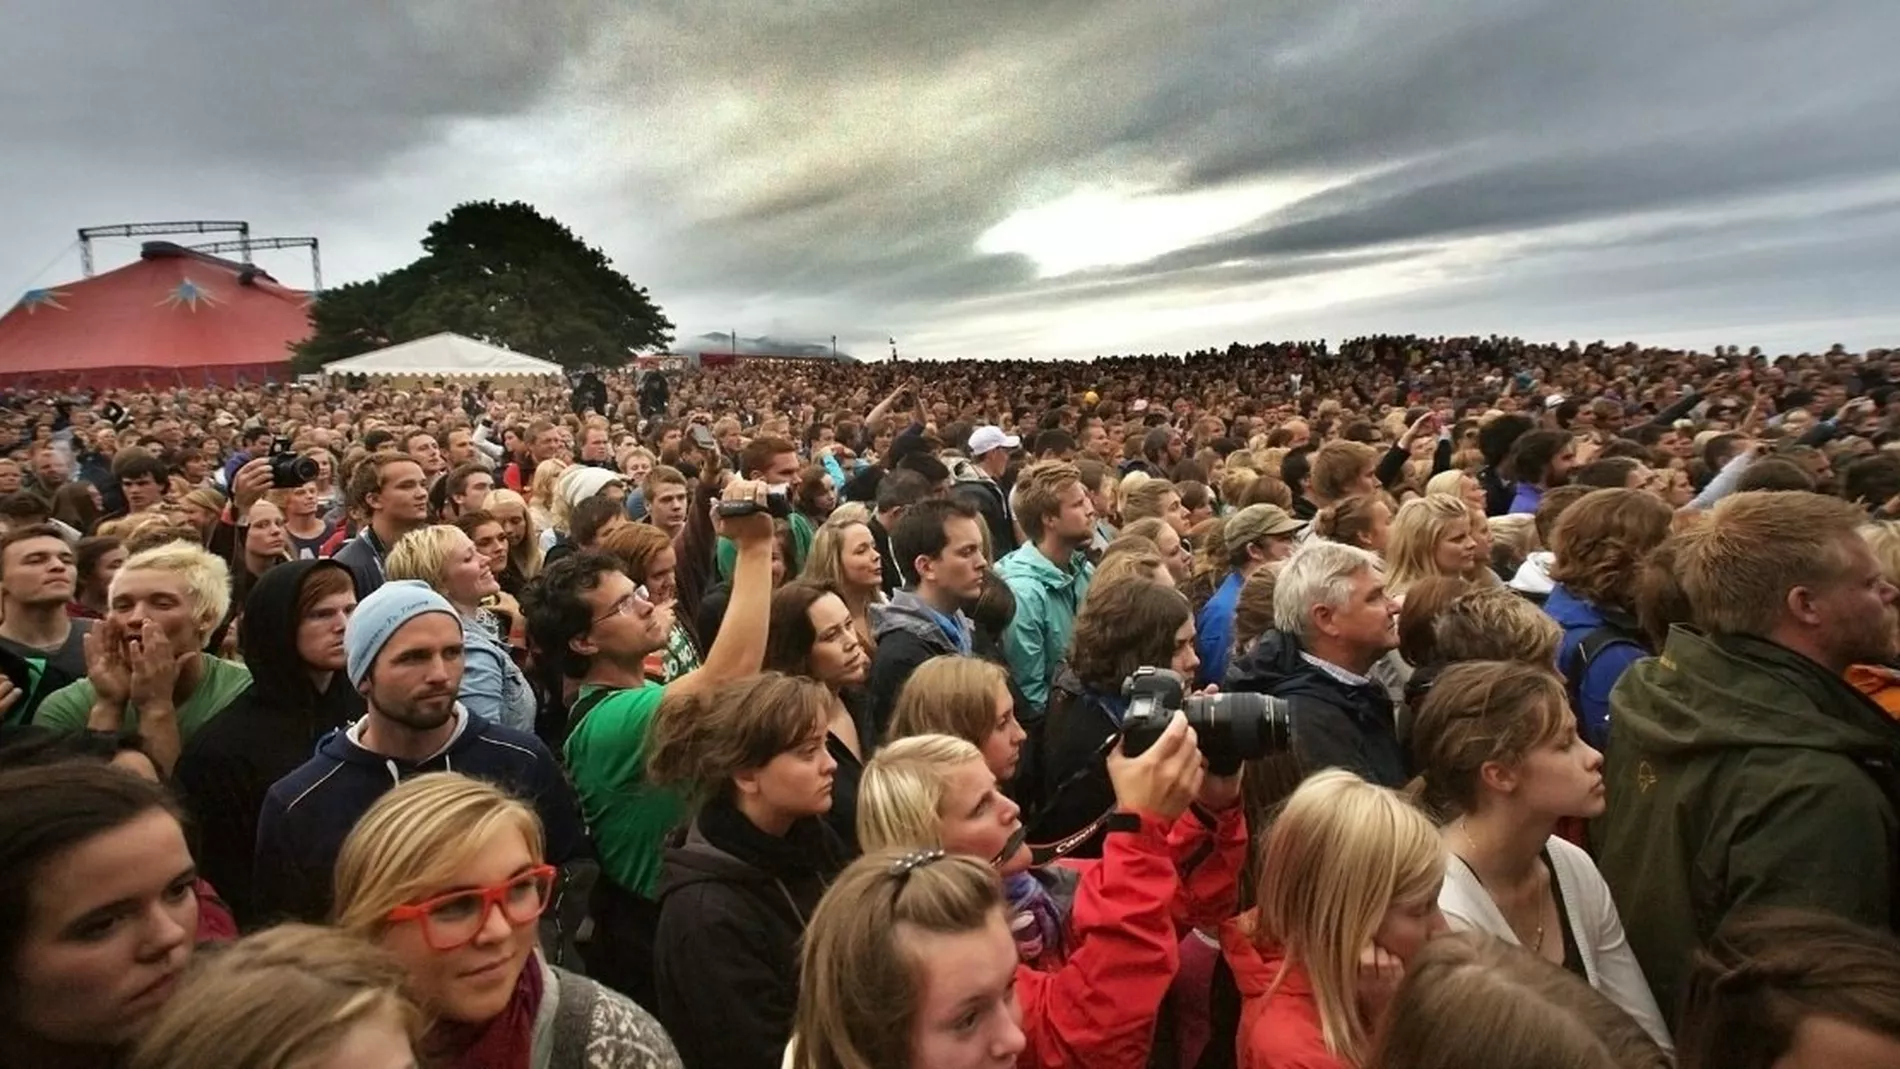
[845,155]
[306,87]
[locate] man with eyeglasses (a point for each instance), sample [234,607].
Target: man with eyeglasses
[585,611]
[403,652]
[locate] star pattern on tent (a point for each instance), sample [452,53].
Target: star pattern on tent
[37,299]
[188,294]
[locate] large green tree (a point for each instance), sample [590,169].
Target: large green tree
[503,273]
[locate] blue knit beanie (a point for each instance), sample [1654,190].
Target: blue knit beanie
[380,615]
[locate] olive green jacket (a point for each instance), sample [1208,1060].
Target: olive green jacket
[1742,775]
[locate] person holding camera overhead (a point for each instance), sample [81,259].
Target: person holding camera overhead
[1098,942]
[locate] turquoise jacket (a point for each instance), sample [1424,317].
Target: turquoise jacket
[1047,598]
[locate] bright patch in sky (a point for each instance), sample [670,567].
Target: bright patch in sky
[1114,226]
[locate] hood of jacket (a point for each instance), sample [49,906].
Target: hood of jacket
[1533,576]
[1026,562]
[696,860]
[342,747]
[1716,692]
[268,637]
[1275,666]
[965,470]
[744,854]
[1571,611]
[907,612]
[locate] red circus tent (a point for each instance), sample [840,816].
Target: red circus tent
[172,318]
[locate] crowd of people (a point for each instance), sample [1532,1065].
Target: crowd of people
[1414,702]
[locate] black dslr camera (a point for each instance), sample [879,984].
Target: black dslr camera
[1231,728]
[288,469]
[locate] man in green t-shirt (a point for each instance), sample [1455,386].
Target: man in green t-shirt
[145,672]
[586,607]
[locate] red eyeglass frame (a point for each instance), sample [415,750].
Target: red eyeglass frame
[491,899]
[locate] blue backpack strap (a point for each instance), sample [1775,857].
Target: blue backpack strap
[1617,629]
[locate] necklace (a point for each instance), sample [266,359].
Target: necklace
[1537,941]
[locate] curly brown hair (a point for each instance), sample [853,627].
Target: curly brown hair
[1124,625]
[1600,542]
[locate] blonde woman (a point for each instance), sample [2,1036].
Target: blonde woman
[966,698]
[1097,953]
[303,520]
[909,961]
[1167,541]
[1459,484]
[1502,765]
[292,997]
[1481,572]
[524,538]
[1881,682]
[1430,536]
[1348,894]
[844,557]
[202,508]
[445,558]
[541,496]
[448,874]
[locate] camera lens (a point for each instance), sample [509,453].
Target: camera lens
[290,472]
[1238,727]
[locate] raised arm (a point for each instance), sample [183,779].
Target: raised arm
[740,647]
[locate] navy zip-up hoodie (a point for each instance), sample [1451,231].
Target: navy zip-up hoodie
[308,813]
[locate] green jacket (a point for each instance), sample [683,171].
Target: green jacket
[1742,775]
[1047,599]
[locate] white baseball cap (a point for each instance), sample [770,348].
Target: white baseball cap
[984,439]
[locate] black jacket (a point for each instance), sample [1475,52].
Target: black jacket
[908,634]
[261,737]
[1071,773]
[307,814]
[364,555]
[734,902]
[893,574]
[1335,724]
[988,498]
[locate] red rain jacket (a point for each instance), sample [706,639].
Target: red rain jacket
[1131,910]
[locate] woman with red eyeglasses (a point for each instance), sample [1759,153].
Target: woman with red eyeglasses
[447,874]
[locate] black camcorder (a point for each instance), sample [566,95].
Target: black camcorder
[288,469]
[1231,728]
[776,503]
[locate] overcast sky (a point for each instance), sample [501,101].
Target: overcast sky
[1017,177]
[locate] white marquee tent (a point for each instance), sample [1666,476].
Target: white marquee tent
[440,356]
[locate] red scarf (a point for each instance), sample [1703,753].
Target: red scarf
[505,1041]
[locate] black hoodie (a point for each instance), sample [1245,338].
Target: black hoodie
[734,902]
[261,737]
[1335,724]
